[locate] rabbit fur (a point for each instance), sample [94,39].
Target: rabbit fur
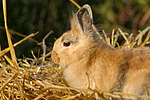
[89,62]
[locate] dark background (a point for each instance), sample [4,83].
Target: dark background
[30,16]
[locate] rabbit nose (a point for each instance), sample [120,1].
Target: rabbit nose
[55,57]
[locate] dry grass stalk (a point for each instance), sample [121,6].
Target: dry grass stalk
[19,34]
[12,51]
[3,52]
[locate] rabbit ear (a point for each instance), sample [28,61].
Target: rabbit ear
[85,18]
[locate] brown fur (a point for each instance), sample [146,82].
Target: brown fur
[89,62]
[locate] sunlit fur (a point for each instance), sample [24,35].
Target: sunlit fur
[91,63]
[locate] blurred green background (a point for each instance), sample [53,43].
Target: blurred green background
[30,16]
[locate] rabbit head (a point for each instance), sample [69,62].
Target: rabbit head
[78,42]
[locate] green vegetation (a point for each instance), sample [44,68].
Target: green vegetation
[30,16]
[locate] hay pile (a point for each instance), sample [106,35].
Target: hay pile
[40,79]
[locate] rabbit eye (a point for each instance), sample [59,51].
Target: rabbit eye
[66,44]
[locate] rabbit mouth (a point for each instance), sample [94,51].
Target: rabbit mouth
[55,57]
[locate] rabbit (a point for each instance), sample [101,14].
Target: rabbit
[89,62]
